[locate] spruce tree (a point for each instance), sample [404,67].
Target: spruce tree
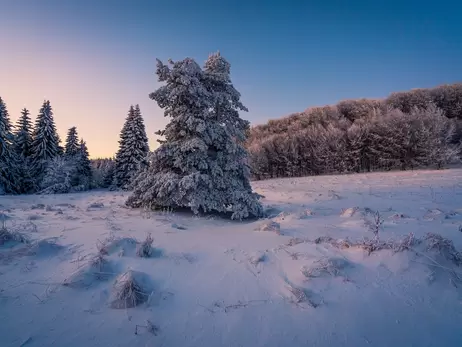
[201,163]
[83,163]
[72,146]
[45,140]
[133,149]
[9,164]
[23,135]
[23,149]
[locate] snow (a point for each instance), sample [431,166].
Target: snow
[217,282]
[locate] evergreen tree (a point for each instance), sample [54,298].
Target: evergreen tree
[133,149]
[9,165]
[202,163]
[23,149]
[23,134]
[72,146]
[83,163]
[45,140]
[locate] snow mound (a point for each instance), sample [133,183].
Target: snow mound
[325,266]
[269,226]
[130,289]
[122,246]
[349,212]
[398,216]
[95,206]
[45,248]
[433,214]
[7,236]
[306,214]
[96,270]
[283,216]
[257,257]
[178,226]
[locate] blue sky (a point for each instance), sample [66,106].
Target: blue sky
[285,55]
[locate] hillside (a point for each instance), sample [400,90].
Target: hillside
[418,128]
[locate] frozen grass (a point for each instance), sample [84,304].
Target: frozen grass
[128,291]
[300,296]
[98,268]
[325,266]
[144,249]
[9,235]
[269,226]
[442,246]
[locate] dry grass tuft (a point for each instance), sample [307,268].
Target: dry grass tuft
[144,250]
[8,235]
[324,266]
[445,247]
[300,296]
[269,226]
[128,291]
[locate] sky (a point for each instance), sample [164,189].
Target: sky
[93,59]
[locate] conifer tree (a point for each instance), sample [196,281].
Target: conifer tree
[83,163]
[72,146]
[23,150]
[45,140]
[23,134]
[9,165]
[133,149]
[202,163]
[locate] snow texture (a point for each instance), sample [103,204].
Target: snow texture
[325,281]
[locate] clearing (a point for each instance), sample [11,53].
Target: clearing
[360,260]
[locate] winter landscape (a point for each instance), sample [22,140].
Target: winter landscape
[290,279]
[204,217]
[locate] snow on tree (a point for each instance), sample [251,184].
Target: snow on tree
[23,135]
[9,164]
[45,140]
[133,149]
[23,149]
[58,176]
[83,166]
[72,146]
[202,163]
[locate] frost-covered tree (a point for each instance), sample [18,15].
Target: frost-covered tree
[83,165]
[9,164]
[201,164]
[23,135]
[58,176]
[133,149]
[23,150]
[45,140]
[72,146]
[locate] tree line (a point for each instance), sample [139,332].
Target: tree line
[418,128]
[32,159]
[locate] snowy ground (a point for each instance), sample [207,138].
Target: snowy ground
[213,282]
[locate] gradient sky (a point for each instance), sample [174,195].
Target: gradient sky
[92,59]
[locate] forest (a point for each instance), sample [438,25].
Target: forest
[407,130]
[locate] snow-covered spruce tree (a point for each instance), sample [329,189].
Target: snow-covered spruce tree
[72,147]
[83,166]
[58,176]
[9,163]
[23,135]
[133,149]
[45,140]
[23,149]
[201,164]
